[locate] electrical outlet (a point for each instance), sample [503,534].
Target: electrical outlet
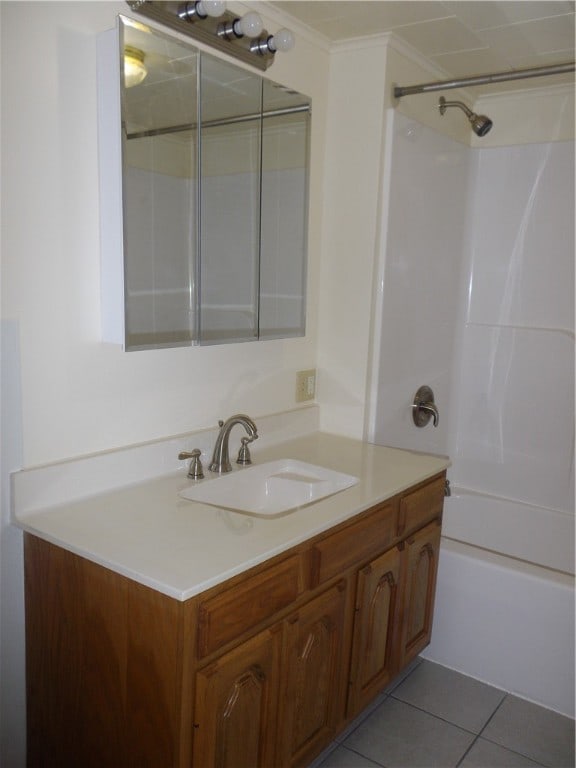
[305,385]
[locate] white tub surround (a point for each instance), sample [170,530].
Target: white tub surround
[147,532]
[475,298]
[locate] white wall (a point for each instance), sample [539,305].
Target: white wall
[79,395]
[68,393]
[353,166]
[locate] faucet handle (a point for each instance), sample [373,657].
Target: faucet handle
[424,408]
[244,457]
[195,469]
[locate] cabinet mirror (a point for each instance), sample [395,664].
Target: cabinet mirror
[214,199]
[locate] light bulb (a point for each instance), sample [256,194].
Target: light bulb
[212,8]
[283,40]
[250,25]
[134,69]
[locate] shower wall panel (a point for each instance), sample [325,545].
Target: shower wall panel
[427,184]
[515,426]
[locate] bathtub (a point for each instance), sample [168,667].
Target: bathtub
[530,533]
[505,597]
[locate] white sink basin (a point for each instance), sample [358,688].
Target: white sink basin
[269,489]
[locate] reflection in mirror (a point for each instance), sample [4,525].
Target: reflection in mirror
[160,198]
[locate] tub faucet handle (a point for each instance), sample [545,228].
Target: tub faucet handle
[424,408]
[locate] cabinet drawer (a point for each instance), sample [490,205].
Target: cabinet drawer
[355,543]
[229,614]
[420,506]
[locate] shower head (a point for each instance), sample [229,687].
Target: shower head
[480,123]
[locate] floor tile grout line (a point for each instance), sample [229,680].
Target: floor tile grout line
[503,746]
[467,751]
[361,754]
[438,717]
[521,754]
[493,715]
[361,718]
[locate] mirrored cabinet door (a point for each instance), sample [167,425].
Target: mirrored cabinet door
[283,231]
[160,180]
[230,150]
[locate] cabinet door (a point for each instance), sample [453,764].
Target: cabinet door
[315,676]
[235,722]
[374,649]
[421,560]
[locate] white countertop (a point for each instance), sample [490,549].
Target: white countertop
[147,532]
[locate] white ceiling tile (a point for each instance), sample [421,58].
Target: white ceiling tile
[542,59]
[516,11]
[509,42]
[485,15]
[553,34]
[477,15]
[439,36]
[397,13]
[471,63]
[386,13]
[342,29]
[309,12]
[531,37]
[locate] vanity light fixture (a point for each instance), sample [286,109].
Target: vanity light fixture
[283,40]
[134,68]
[250,25]
[209,22]
[201,9]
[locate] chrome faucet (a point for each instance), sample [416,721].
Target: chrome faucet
[220,458]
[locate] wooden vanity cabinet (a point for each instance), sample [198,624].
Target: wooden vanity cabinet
[376,638]
[236,708]
[314,688]
[277,698]
[261,671]
[419,578]
[106,666]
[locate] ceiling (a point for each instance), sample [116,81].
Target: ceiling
[462,37]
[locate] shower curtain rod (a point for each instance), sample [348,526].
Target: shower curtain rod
[498,77]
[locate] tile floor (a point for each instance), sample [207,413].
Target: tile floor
[437,718]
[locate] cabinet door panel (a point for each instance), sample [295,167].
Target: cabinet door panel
[314,664]
[374,657]
[236,706]
[421,564]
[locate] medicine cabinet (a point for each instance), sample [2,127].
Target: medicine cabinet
[204,196]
